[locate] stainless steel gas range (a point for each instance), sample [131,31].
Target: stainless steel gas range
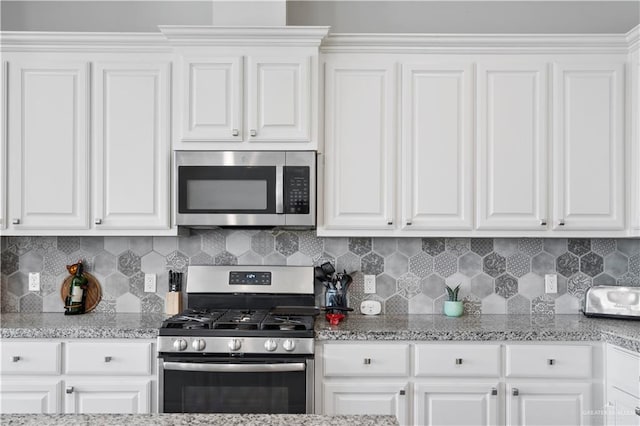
[244,345]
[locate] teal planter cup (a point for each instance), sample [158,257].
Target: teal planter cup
[453,309]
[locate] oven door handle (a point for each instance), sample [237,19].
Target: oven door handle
[235,368]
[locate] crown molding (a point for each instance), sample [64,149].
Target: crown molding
[633,39]
[179,35]
[475,43]
[83,41]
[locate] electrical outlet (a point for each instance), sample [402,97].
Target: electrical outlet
[369,283]
[550,283]
[150,283]
[34,281]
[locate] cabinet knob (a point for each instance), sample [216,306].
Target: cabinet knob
[403,392]
[235,132]
[458,361]
[389,222]
[637,411]
[252,132]
[494,391]
[15,221]
[98,221]
[408,223]
[15,358]
[69,389]
[551,361]
[515,391]
[107,359]
[561,222]
[543,222]
[367,361]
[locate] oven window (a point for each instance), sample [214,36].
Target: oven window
[202,392]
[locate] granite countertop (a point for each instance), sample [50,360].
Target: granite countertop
[625,333]
[195,419]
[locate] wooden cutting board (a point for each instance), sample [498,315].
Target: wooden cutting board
[94,291]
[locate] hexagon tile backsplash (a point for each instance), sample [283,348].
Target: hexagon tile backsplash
[502,275]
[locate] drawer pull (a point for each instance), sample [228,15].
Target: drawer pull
[107,359]
[15,358]
[515,391]
[253,133]
[494,391]
[551,361]
[367,361]
[235,132]
[637,411]
[458,361]
[402,392]
[69,389]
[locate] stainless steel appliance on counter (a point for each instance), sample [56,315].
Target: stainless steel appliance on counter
[244,345]
[612,302]
[245,188]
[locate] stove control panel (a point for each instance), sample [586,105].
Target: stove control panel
[180,345]
[250,345]
[249,278]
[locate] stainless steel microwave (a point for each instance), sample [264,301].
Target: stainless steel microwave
[245,188]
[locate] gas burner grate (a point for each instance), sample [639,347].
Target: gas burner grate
[240,320]
[193,319]
[287,322]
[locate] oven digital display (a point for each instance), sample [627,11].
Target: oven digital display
[249,278]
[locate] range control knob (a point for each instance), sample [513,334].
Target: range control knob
[289,345]
[270,345]
[199,345]
[234,344]
[180,344]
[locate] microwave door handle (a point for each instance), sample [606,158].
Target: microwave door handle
[235,368]
[279,190]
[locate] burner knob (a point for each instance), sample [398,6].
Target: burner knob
[234,344]
[289,345]
[270,345]
[199,344]
[180,345]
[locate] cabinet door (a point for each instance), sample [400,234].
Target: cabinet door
[30,395]
[635,140]
[359,145]
[131,159]
[366,398]
[548,404]
[3,144]
[460,404]
[279,99]
[437,147]
[512,146]
[588,147]
[622,408]
[124,396]
[211,93]
[48,144]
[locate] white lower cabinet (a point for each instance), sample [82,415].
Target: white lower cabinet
[365,397]
[455,403]
[623,387]
[33,379]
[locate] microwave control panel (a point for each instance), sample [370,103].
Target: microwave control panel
[296,190]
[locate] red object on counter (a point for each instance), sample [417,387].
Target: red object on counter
[334,319]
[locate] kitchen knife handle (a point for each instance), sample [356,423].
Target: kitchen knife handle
[515,391]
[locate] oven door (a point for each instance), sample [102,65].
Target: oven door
[229,385]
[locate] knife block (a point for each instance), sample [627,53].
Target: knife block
[173,303]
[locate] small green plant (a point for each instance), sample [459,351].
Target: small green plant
[453,293]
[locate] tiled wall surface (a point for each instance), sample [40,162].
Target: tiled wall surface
[496,275]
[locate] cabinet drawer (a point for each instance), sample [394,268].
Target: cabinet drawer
[457,360]
[623,370]
[366,360]
[108,358]
[30,357]
[548,361]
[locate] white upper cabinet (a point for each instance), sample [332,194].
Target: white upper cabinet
[437,146]
[3,145]
[588,133]
[48,144]
[512,146]
[360,134]
[131,145]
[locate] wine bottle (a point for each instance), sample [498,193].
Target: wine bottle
[75,302]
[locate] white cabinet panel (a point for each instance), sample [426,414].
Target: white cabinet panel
[359,145]
[551,361]
[457,360]
[589,147]
[131,158]
[366,360]
[113,358]
[512,146]
[130,396]
[48,144]
[3,144]
[366,398]
[459,404]
[438,146]
[30,395]
[623,370]
[279,99]
[30,357]
[622,408]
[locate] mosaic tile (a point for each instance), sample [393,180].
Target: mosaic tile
[555,246]
[93,245]
[616,264]
[387,246]
[530,246]
[629,280]
[506,286]
[396,265]
[43,245]
[9,262]
[192,245]
[349,262]
[481,246]
[298,259]
[178,261]
[591,264]
[10,302]
[31,303]
[421,264]
[128,263]
[115,286]
[263,243]
[105,263]
[628,246]
[360,246]
[325,257]
[127,303]
[385,286]
[136,285]
[152,303]
[578,284]
[518,264]
[310,245]
[505,246]
[543,263]
[164,245]
[286,243]
[18,283]
[107,307]
[433,246]
[603,246]
[239,243]
[68,245]
[494,304]
[372,264]
[543,305]
[153,263]
[481,286]
[634,264]
[531,286]
[579,246]
[604,279]
[420,304]
[336,246]
[518,305]
[457,246]
[52,303]
[21,245]
[566,304]
[50,284]
[276,258]
[213,243]
[222,258]
[567,264]
[409,246]
[472,306]
[201,258]
[433,286]
[396,305]
[494,264]
[408,285]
